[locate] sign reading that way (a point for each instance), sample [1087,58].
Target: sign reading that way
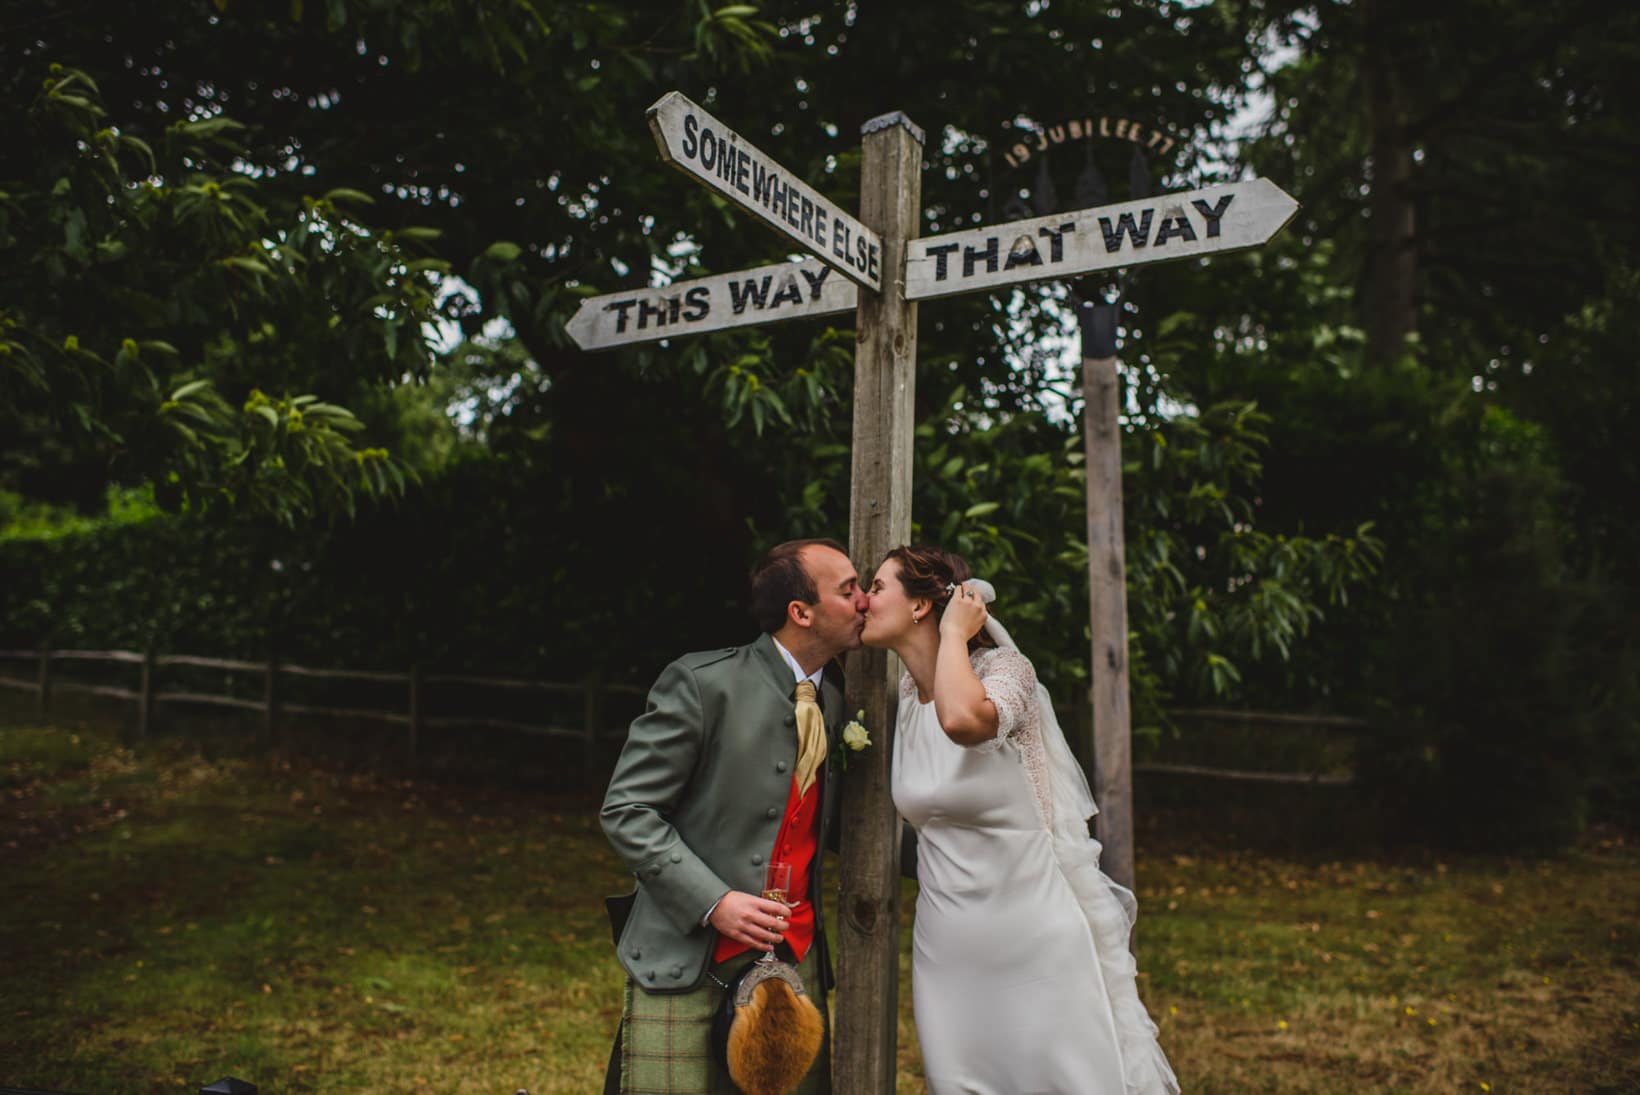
[693,141]
[1170,226]
[766,294]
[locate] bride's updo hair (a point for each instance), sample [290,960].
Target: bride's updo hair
[926,572]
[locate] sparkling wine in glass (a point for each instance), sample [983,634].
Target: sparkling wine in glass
[777,883]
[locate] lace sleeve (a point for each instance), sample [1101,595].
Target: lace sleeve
[1010,684]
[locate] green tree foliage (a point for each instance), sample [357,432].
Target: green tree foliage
[151,286]
[1448,148]
[1438,155]
[527,154]
[1319,509]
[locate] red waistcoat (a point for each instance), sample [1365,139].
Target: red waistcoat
[797,843]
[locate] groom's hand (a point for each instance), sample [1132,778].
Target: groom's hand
[754,921]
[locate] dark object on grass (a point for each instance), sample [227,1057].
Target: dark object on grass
[228,1085]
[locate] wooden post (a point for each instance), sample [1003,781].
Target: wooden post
[415,710]
[1107,595]
[145,695]
[43,699]
[270,700]
[885,358]
[593,715]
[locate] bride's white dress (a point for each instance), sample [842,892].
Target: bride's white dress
[1022,982]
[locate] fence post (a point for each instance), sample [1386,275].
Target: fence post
[415,710]
[1080,733]
[594,713]
[145,696]
[43,704]
[270,699]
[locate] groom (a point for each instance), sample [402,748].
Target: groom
[715,782]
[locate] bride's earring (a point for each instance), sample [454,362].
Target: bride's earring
[915,618]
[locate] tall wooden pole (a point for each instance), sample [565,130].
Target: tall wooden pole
[885,360]
[1107,595]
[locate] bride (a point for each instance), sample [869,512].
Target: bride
[1021,977]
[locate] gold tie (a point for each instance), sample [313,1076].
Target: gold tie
[811,737]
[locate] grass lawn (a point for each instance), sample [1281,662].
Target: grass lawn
[170,919]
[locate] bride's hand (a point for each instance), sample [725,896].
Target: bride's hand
[964,615]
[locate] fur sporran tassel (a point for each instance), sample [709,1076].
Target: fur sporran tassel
[776,1035]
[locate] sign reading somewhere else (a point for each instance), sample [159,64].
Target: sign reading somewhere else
[694,141]
[767,294]
[1171,226]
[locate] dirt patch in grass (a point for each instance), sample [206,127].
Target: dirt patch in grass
[172,918]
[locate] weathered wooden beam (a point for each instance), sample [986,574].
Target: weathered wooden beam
[1107,596]
[885,359]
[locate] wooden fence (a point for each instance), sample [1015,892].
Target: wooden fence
[1330,724]
[592,729]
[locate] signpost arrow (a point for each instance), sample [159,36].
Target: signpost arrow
[766,294]
[697,143]
[1171,226]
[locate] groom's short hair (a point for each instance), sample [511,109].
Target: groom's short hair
[780,578]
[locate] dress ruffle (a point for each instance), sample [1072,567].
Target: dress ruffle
[1111,911]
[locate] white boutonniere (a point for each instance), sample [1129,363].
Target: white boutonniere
[854,740]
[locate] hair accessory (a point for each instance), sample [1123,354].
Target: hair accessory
[985,590]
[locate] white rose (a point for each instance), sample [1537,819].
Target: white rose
[855,736]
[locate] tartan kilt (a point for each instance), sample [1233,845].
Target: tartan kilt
[663,1046]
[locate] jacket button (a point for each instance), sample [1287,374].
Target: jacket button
[655,870]
[771,813]
[779,766]
[648,975]
[677,857]
[636,952]
[791,720]
[677,972]
[757,860]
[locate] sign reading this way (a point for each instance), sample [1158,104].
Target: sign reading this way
[1170,226]
[693,141]
[766,294]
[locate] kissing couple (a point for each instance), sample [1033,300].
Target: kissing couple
[1022,981]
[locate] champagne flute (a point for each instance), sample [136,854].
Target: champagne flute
[777,884]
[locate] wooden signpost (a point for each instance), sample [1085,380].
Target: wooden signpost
[767,294]
[1065,245]
[888,272]
[697,143]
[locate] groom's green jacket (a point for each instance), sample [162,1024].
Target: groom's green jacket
[696,801]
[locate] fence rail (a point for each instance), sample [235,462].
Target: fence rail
[591,730]
[1269,718]
[1317,779]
